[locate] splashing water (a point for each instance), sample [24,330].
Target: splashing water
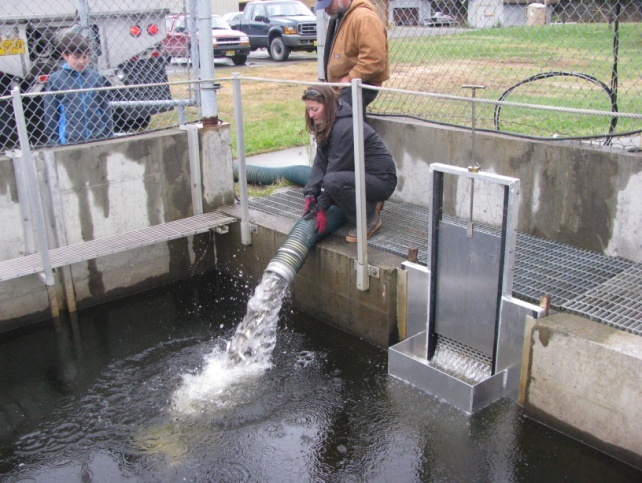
[218,388]
[228,376]
[255,336]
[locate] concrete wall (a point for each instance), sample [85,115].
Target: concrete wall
[584,379]
[585,197]
[108,188]
[326,284]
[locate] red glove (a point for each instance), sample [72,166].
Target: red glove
[310,204]
[322,221]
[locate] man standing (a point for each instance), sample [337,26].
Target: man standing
[356,46]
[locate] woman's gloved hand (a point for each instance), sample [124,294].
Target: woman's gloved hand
[310,204]
[321,222]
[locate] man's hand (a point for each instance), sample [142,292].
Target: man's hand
[310,204]
[322,221]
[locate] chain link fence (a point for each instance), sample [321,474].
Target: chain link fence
[568,54]
[122,49]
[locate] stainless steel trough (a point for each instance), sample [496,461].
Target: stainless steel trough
[465,331]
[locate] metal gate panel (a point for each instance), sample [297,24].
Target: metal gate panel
[467,287]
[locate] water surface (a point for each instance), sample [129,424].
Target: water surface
[138,390]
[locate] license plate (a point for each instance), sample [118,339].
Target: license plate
[12,47]
[230,52]
[315,43]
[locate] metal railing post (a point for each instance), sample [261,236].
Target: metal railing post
[33,186]
[363,282]
[246,235]
[321,40]
[22,185]
[194,167]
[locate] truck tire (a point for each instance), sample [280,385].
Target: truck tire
[278,50]
[239,59]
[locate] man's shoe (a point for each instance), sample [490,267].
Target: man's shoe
[373,227]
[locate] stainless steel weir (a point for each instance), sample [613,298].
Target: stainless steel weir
[468,351]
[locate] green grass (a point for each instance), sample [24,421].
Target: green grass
[497,58]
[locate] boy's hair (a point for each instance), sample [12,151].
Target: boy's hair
[74,43]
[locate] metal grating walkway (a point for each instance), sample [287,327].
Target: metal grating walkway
[91,249]
[600,288]
[617,302]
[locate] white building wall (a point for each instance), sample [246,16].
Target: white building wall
[423,7]
[219,7]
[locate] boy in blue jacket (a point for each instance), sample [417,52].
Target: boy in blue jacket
[80,116]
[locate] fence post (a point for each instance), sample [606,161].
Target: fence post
[195,92]
[32,185]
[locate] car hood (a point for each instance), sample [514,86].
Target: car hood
[292,20]
[221,34]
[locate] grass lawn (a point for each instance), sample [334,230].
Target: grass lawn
[497,58]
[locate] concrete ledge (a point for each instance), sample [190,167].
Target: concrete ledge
[326,284]
[584,380]
[96,190]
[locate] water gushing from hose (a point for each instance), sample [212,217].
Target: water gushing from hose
[255,336]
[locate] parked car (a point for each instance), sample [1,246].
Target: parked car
[440,20]
[226,42]
[280,26]
[233,19]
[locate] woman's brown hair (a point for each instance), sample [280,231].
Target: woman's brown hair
[327,96]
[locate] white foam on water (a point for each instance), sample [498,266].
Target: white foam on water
[228,376]
[218,386]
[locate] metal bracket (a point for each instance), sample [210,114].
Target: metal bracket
[221,230]
[372,270]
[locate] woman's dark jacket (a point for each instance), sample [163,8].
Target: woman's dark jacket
[338,155]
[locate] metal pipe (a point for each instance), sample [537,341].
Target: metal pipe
[246,235]
[209,109]
[363,281]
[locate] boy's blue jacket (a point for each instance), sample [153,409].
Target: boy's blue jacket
[80,116]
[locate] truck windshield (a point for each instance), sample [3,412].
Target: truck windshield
[218,23]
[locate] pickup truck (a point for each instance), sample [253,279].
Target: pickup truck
[280,26]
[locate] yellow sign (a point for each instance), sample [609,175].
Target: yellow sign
[12,47]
